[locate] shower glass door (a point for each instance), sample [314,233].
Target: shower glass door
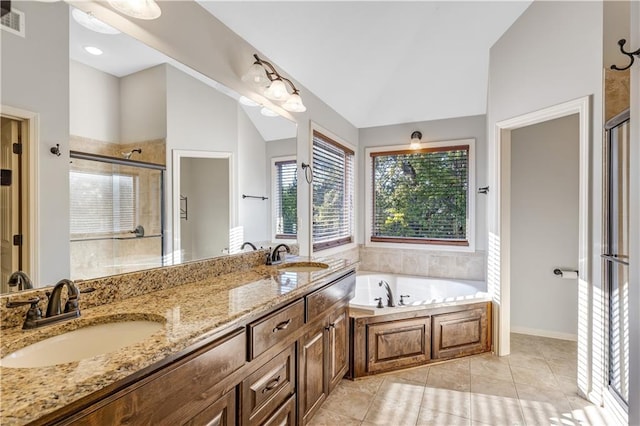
[616,254]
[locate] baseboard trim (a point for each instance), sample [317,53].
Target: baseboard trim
[545,333]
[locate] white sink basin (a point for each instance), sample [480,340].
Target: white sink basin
[85,342]
[303,267]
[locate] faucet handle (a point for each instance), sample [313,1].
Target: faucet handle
[14,304]
[379,299]
[402,297]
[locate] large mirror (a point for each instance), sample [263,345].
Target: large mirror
[129,159]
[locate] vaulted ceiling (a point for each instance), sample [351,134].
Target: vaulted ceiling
[382,62]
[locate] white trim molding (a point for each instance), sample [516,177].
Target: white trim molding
[500,248]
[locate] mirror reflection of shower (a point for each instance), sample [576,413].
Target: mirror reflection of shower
[127,155]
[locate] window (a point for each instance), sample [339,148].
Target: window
[285,190]
[102,203]
[421,196]
[333,193]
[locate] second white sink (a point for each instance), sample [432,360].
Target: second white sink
[85,342]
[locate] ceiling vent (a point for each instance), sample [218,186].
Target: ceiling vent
[13,22]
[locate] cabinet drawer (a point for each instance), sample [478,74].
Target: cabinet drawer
[285,416]
[270,330]
[460,333]
[178,391]
[266,389]
[321,300]
[396,344]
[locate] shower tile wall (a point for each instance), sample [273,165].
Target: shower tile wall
[96,258]
[470,266]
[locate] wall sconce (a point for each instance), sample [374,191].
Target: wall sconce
[416,140]
[264,77]
[140,9]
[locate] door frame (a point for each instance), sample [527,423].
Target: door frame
[500,249]
[178,154]
[30,145]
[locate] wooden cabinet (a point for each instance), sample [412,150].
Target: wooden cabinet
[460,333]
[285,416]
[312,382]
[392,345]
[220,413]
[275,327]
[338,352]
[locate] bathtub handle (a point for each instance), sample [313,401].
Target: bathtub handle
[282,325]
[402,297]
[379,299]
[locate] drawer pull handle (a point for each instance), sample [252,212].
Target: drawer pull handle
[282,325]
[271,385]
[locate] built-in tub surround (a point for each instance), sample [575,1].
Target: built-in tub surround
[425,263]
[211,305]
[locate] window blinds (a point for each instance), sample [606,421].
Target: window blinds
[333,202]
[421,196]
[101,203]
[286,195]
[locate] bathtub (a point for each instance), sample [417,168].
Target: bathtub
[423,292]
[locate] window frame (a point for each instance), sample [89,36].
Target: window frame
[346,243]
[275,237]
[417,244]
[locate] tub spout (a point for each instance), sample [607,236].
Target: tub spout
[390,302]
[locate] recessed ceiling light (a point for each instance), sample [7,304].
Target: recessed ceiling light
[89,21]
[93,50]
[248,102]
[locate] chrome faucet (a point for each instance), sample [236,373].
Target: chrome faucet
[275,257]
[247,243]
[21,280]
[390,302]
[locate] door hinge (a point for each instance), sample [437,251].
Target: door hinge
[5,177]
[17,148]
[17,240]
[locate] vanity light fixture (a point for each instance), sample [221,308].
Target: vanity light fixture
[140,9]
[89,21]
[264,77]
[93,50]
[416,140]
[267,112]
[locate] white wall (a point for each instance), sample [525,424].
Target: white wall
[35,77]
[94,103]
[143,107]
[544,227]
[550,55]
[205,182]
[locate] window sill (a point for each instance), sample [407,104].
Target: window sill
[332,251]
[426,247]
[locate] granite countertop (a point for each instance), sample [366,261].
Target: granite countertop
[191,313]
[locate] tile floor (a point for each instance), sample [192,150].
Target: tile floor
[535,385]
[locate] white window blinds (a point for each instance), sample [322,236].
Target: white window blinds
[285,199]
[421,196]
[333,193]
[101,203]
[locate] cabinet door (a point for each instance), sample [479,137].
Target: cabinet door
[338,353]
[312,380]
[220,413]
[285,416]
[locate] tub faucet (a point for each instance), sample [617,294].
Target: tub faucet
[54,307]
[247,243]
[275,256]
[21,280]
[389,293]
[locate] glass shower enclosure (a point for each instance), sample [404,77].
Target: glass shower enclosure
[116,215]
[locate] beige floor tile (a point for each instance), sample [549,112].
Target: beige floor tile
[559,349]
[418,375]
[527,360]
[590,415]
[449,380]
[548,416]
[397,413]
[542,398]
[567,367]
[398,389]
[453,366]
[447,401]
[368,385]
[493,387]
[429,417]
[491,366]
[494,410]
[568,385]
[540,377]
[347,402]
[329,418]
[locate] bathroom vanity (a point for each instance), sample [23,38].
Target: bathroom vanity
[254,347]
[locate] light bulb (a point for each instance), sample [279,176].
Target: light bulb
[89,21]
[294,104]
[93,50]
[268,112]
[277,90]
[140,9]
[256,76]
